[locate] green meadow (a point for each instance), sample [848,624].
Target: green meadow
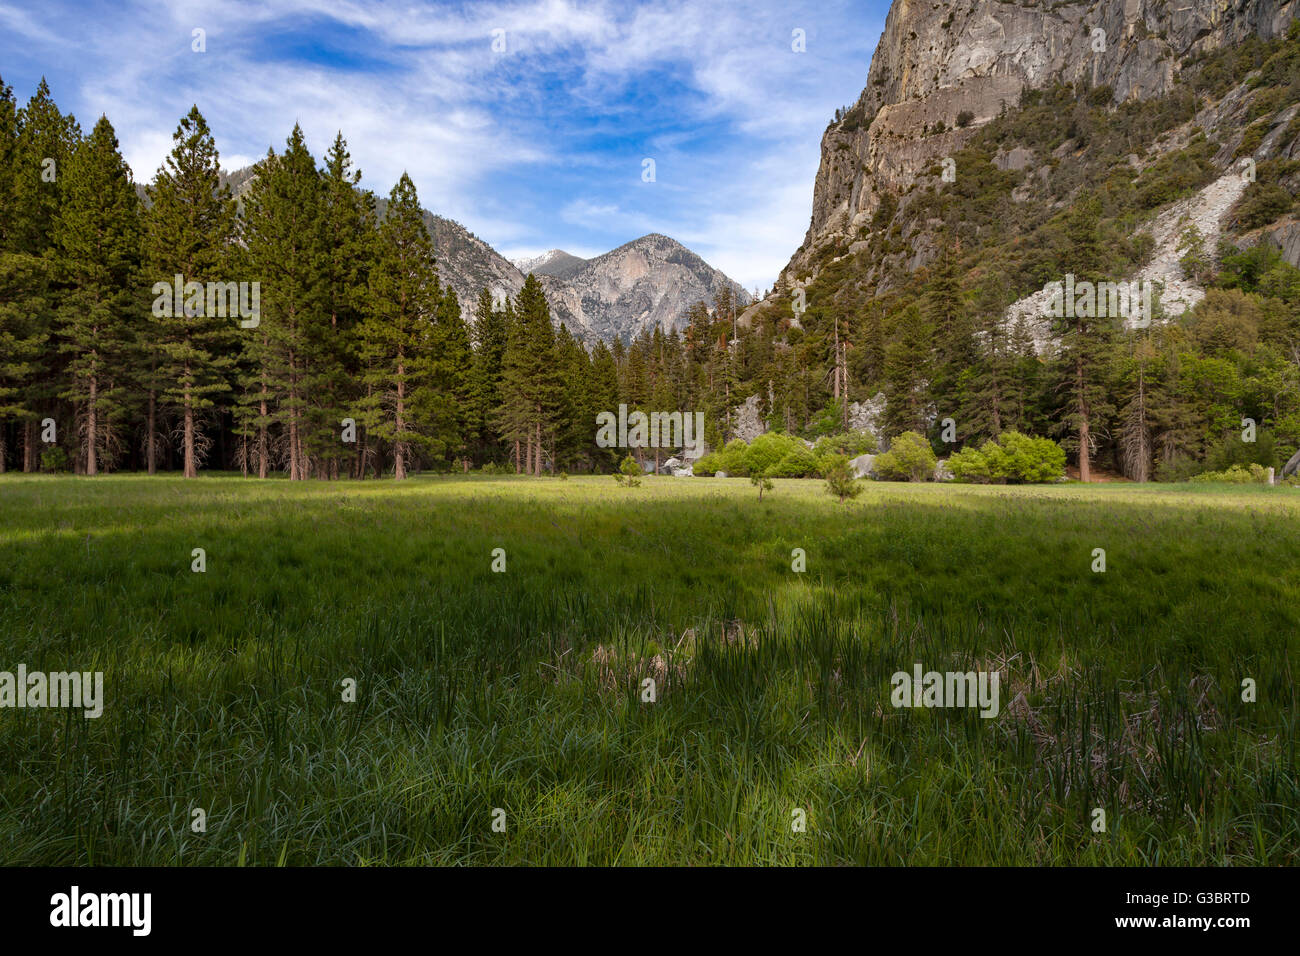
[499,716]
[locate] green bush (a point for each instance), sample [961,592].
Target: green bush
[1262,204]
[799,463]
[1236,475]
[970,465]
[629,473]
[731,459]
[910,458]
[840,481]
[54,459]
[1013,457]
[849,444]
[767,451]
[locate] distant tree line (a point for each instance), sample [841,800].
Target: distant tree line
[358,361]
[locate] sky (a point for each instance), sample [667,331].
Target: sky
[529,122]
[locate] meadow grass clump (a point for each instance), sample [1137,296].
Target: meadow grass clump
[523,690]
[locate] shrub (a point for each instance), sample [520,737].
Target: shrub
[970,465]
[730,459]
[839,479]
[1262,203]
[1236,475]
[54,459]
[766,452]
[850,444]
[910,458]
[799,463]
[629,473]
[1013,457]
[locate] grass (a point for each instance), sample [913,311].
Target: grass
[522,690]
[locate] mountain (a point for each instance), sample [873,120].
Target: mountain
[557,263]
[943,71]
[647,282]
[644,283]
[469,264]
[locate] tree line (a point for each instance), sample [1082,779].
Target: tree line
[358,361]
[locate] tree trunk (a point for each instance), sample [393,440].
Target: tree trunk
[1085,466]
[399,456]
[29,446]
[191,469]
[91,436]
[516,456]
[151,422]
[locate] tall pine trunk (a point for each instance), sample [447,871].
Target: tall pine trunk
[91,431]
[151,422]
[399,450]
[191,469]
[29,446]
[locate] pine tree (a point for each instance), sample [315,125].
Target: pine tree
[1086,347]
[404,297]
[285,233]
[8,163]
[24,282]
[44,140]
[906,368]
[97,238]
[349,227]
[445,367]
[187,229]
[602,397]
[489,333]
[530,385]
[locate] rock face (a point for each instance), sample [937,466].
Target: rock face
[648,282]
[556,263]
[469,264]
[937,62]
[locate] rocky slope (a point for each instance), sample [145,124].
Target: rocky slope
[469,264]
[557,263]
[647,282]
[941,70]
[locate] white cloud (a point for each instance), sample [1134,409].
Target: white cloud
[518,147]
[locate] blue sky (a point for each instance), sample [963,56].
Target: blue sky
[539,146]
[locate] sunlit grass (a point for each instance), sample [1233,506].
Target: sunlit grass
[522,690]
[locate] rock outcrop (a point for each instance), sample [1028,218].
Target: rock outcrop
[941,70]
[649,282]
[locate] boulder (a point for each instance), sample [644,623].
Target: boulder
[941,472]
[682,473]
[673,463]
[862,465]
[720,474]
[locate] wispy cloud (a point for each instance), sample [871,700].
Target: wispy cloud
[527,121]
